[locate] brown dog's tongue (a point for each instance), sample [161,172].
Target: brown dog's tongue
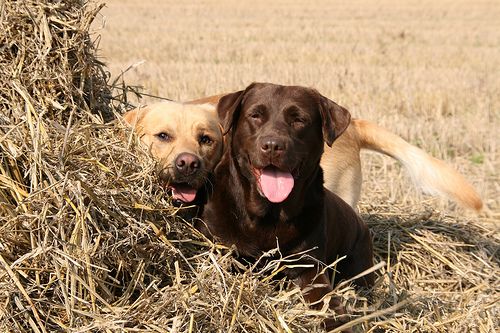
[276,184]
[183,192]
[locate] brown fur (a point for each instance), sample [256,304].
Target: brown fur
[297,121]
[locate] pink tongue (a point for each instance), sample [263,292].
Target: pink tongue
[184,193]
[276,184]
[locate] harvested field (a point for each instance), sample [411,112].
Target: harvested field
[89,241]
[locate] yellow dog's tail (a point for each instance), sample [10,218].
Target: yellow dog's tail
[433,176]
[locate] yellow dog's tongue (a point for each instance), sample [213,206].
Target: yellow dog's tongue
[183,192]
[276,184]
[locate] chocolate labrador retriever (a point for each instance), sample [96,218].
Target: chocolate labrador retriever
[269,186]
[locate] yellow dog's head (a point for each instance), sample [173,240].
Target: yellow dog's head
[187,141]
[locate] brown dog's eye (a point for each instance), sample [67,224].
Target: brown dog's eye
[298,123]
[256,118]
[163,136]
[257,114]
[205,140]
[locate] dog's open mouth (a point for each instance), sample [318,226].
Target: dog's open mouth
[183,192]
[275,184]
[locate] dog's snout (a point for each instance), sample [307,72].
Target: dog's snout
[187,163]
[272,145]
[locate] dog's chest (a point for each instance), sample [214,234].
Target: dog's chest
[261,234]
[270,234]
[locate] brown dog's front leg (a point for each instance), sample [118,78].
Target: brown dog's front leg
[316,286]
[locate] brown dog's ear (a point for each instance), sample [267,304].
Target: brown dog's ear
[228,108]
[133,117]
[334,120]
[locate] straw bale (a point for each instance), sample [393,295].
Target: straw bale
[90,242]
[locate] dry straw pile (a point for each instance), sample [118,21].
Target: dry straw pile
[88,241]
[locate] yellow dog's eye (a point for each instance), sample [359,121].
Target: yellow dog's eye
[163,136]
[205,140]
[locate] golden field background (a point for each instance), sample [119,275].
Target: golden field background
[89,241]
[427,70]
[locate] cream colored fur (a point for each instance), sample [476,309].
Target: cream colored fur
[433,176]
[183,124]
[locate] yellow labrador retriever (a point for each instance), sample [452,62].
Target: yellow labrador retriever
[187,139]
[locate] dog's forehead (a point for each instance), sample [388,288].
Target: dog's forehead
[164,110]
[277,96]
[203,117]
[178,117]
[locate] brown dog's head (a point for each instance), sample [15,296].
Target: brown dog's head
[186,140]
[277,134]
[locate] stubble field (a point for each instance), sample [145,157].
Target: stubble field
[425,70]
[88,240]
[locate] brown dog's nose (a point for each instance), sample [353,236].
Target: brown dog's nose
[187,163]
[272,145]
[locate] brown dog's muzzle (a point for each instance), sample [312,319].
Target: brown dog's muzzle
[271,150]
[272,147]
[272,169]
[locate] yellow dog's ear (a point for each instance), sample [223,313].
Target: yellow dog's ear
[133,117]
